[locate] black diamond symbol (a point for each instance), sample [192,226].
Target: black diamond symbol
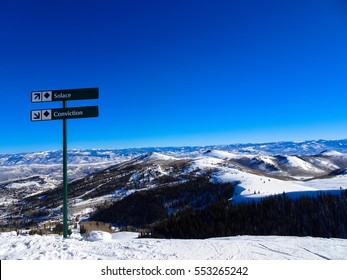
[47,95]
[46,114]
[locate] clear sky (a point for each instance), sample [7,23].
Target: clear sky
[175,72]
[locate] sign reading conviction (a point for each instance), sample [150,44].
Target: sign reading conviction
[65,113]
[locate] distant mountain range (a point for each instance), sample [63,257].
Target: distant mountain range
[112,155]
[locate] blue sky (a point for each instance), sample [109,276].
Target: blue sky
[183,72]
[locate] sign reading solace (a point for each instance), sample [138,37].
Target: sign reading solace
[64,95]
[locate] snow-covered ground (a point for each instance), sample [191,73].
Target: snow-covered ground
[126,246]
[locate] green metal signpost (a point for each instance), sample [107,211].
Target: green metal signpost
[64,114]
[65,179]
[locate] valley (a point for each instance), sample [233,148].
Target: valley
[146,186]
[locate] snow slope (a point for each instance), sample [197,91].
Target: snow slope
[252,186]
[125,246]
[255,186]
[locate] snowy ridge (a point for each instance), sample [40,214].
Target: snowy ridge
[154,156]
[256,176]
[31,190]
[301,164]
[328,147]
[259,176]
[332,153]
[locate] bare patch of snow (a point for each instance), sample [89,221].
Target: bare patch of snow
[99,236]
[331,153]
[301,164]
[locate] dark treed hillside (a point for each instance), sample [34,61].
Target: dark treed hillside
[146,207]
[321,216]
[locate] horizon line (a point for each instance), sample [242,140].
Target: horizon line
[179,146]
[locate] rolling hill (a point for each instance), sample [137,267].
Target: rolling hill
[31,194]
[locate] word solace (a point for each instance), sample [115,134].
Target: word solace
[64,95]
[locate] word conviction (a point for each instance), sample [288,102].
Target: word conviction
[65,113]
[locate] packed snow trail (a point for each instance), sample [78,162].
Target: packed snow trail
[125,246]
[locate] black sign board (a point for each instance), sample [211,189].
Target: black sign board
[65,113]
[64,95]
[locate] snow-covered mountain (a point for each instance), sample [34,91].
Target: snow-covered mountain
[111,155]
[84,162]
[30,183]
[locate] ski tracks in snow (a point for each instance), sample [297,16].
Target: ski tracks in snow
[54,247]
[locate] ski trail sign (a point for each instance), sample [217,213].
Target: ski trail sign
[64,95]
[64,114]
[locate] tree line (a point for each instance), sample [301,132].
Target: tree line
[324,215]
[143,208]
